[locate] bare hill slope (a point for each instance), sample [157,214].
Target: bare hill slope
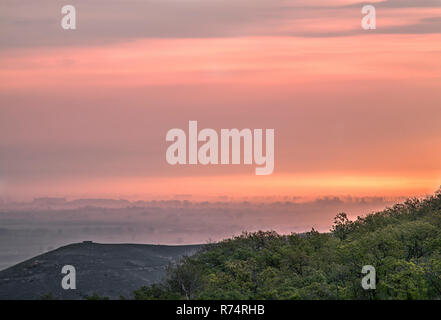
[105,269]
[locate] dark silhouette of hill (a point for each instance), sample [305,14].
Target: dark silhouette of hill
[109,270]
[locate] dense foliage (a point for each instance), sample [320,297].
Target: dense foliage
[403,243]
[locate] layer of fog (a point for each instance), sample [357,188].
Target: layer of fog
[28,229]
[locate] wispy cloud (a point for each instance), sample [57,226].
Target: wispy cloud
[31,23]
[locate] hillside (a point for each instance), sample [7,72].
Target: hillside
[403,243]
[107,270]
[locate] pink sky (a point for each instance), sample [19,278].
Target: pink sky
[85,112]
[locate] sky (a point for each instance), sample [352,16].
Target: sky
[84,113]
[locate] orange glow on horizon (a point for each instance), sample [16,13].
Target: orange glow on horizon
[241,187]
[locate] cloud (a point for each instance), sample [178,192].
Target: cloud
[430,25]
[38,24]
[29,24]
[408,4]
[426,26]
[395,4]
